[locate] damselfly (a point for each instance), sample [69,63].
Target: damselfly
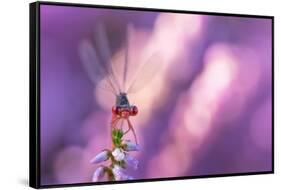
[98,63]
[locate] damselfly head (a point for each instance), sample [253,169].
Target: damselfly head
[125,112]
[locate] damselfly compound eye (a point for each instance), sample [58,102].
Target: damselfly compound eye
[116,110]
[134,110]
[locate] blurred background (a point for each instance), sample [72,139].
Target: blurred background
[206,111]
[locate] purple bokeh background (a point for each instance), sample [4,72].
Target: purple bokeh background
[209,110]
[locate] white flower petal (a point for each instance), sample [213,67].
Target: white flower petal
[118,154]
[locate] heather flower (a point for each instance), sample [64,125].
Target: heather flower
[99,173]
[102,156]
[118,173]
[130,146]
[118,154]
[131,161]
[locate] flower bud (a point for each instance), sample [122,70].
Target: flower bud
[102,156]
[118,154]
[130,178]
[99,173]
[131,161]
[118,173]
[130,146]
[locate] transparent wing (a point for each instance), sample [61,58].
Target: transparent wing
[96,59]
[122,64]
[102,42]
[98,63]
[130,34]
[96,71]
[145,73]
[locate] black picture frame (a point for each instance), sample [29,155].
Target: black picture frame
[34,98]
